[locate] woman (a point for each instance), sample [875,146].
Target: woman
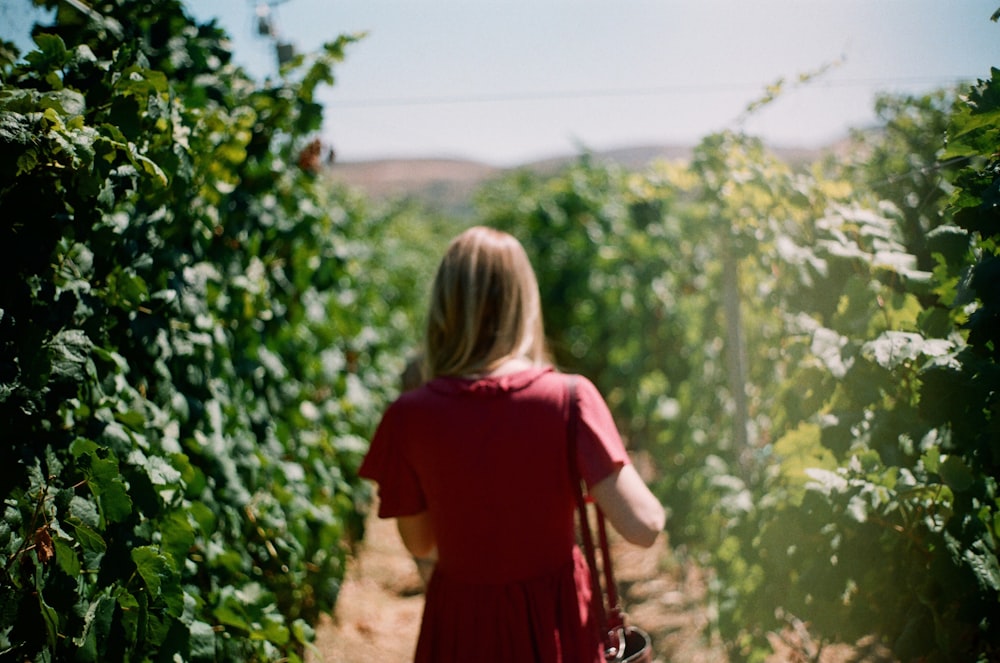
[473,465]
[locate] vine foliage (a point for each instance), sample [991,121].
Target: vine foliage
[808,357]
[190,346]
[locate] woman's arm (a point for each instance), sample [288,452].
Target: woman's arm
[628,504]
[417,534]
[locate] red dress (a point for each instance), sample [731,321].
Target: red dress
[487,459]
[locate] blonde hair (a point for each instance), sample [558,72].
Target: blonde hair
[485,307]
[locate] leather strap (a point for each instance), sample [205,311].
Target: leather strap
[610,618]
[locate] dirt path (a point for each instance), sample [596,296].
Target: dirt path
[378,613]
[379,609]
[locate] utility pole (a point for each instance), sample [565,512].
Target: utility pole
[735,348]
[267,28]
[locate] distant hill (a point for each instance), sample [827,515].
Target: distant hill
[447,185]
[400,176]
[635,157]
[443,185]
[386,178]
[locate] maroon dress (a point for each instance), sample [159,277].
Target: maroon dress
[487,459]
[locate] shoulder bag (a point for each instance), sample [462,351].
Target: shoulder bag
[623,643]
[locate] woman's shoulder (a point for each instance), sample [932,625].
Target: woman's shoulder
[486,385]
[545,381]
[555,385]
[563,379]
[413,398]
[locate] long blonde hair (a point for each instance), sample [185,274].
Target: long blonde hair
[485,307]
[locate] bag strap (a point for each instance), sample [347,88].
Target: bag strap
[610,618]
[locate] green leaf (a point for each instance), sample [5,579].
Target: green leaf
[989,119]
[202,638]
[84,511]
[91,543]
[857,509]
[15,128]
[152,566]
[161,472]
[66,101]
[231,614]
[66,557]
[51,45]
[27,161]
[800,450]
[950,242]
[825,481]
[82,446]
[956,474]
[51,619]
[88,538]
[126,288]
[149,167]
[273,630]
[303,632]
[893,349]
[50,56]
[828,346]
[96,624]
[104,480]
[68,352]
[106,196]
[177,534]
[931,460]
[984,565]
[132,614]
[133,419]
[142,82]
[115,501]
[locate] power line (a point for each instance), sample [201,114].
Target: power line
[700,88]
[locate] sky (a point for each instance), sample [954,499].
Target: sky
[506,82]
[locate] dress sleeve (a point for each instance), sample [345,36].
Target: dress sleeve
[386,464]
[600,450]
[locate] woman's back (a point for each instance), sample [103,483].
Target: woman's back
[490,455]
[487,458]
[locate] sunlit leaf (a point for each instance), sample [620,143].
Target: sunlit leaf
[203,639]
[894,348]
[68,353]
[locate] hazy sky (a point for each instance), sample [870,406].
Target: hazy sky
[506,81]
